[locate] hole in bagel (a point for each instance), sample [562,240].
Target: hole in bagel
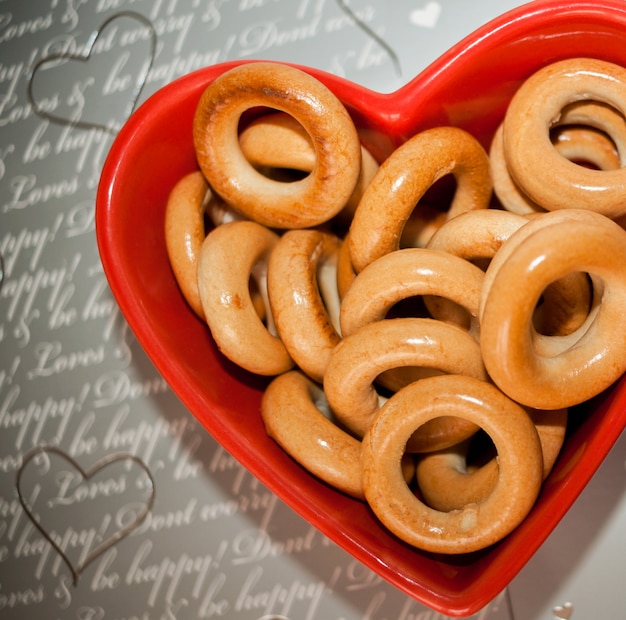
[564,305]
[429,213]
[257,288]
[318,397]
[448,311]
[452,478]
[412,306]
[431,307]
[586,146]
[393,380]
[480,451]
[257,299]
[283,175]
[276,144]
[326,279]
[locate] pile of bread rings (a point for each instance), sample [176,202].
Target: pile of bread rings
[422,359]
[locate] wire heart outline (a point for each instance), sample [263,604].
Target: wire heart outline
[86,475]
[343,5]
[84,56]
[2,272]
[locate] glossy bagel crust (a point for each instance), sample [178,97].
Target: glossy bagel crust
[585,132]
[308,202]
[231,254]
[358,359]
[477,525]
[301,268]
[290,408]
[406,273]
[278,142]
[185,232]
[296,415]
[483,236]
[553,372]
[405,176]
[550,180]
[447,482]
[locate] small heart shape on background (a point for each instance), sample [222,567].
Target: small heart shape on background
[427,16]
[563,612]
[62,87]
[53,489]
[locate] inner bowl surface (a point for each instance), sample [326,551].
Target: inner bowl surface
[469,87]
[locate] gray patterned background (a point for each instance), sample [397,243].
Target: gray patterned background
[215,542]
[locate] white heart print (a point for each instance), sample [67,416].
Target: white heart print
[427,16]
[563,612]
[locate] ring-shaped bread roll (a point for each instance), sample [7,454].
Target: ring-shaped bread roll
[550,180]
[302,288]
[377,347]
[279,142]
[185,232]
[405,176]
[581,134]
[296,415]
[553,372]
[406,273]
[291,408]
[307,202]
[572,298]
[476,526]
[474,236]
[231,254]
[446,482]
[478,236]
[565,303]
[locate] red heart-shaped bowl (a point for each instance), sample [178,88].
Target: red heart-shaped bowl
[470,87]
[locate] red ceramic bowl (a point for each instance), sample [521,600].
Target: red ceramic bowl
[470,87]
